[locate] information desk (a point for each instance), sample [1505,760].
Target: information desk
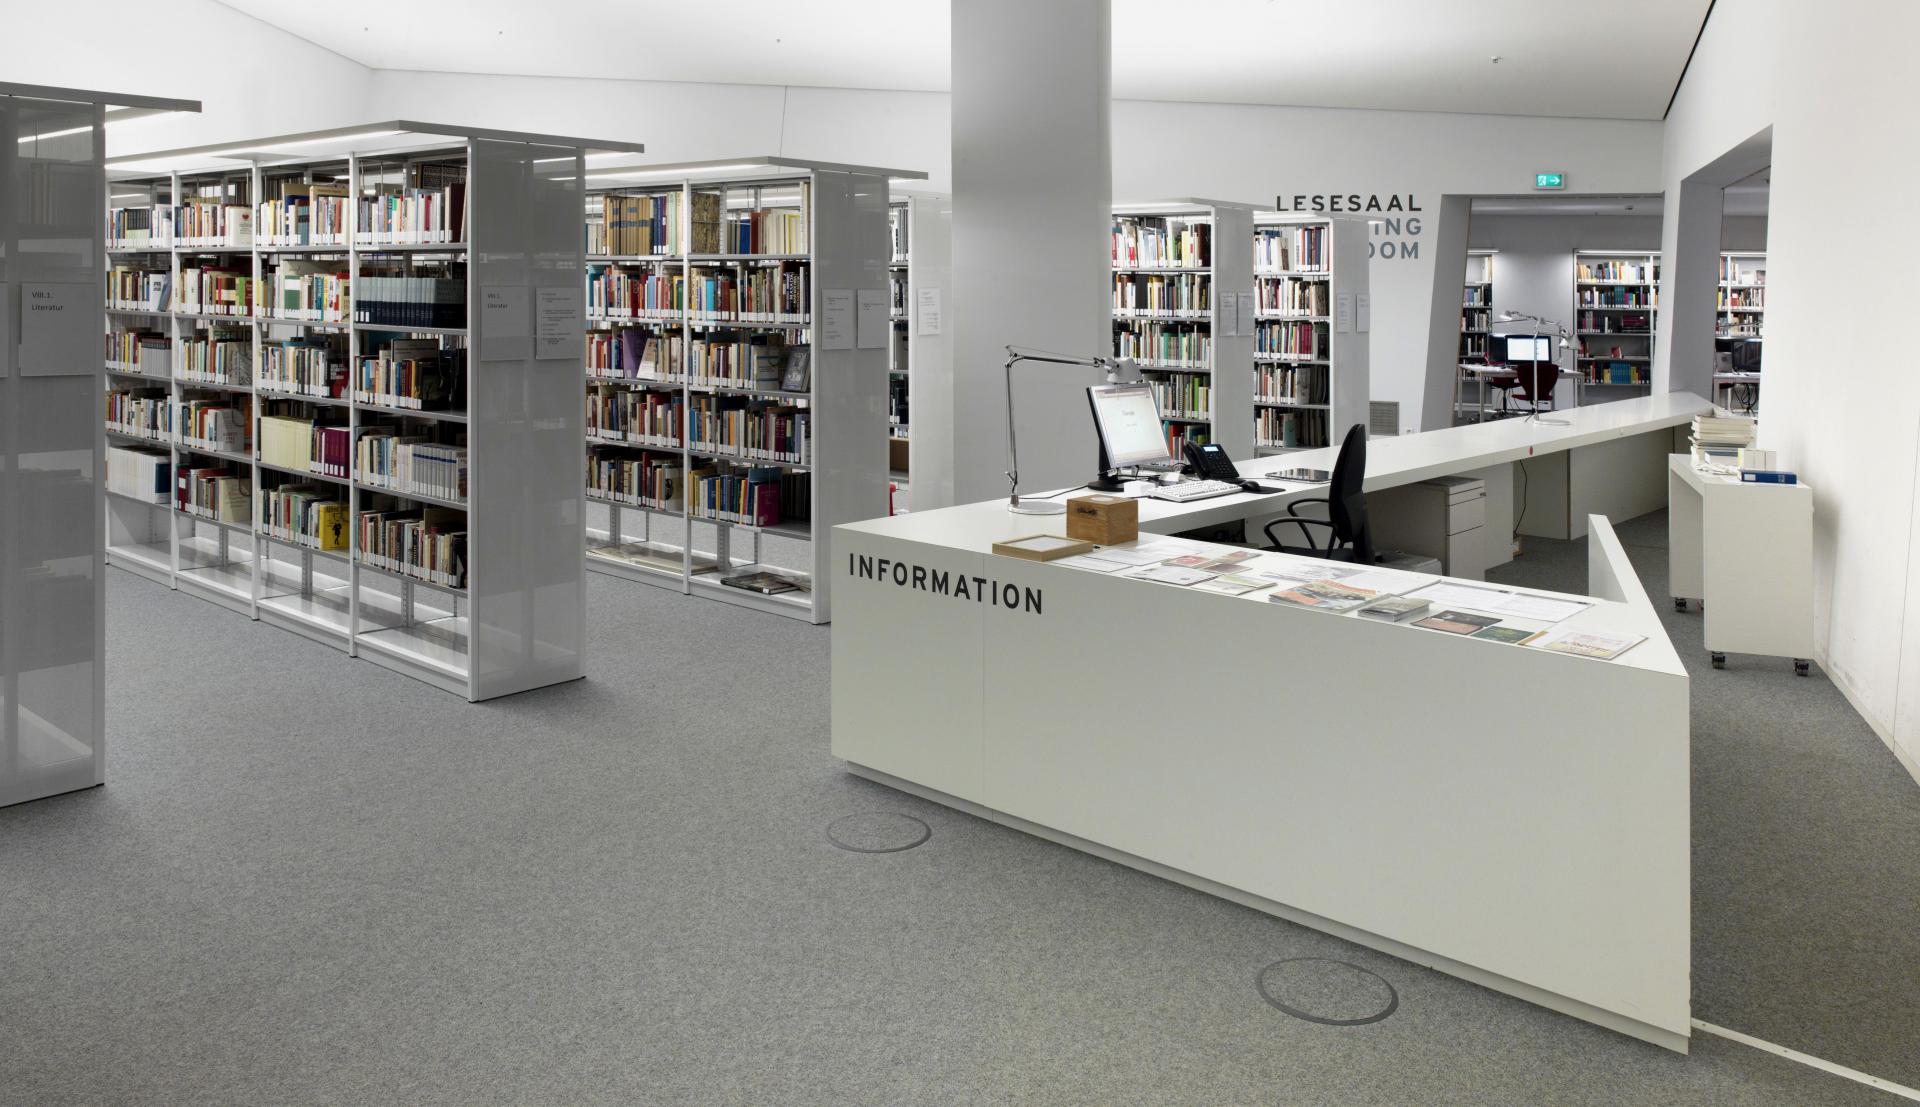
[1343,773]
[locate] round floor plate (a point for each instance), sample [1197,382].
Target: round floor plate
[1329,992]
[878,832]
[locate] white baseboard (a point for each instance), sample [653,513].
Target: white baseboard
[1856,701]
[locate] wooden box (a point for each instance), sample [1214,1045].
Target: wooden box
[1104,520]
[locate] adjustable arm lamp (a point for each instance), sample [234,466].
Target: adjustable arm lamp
[1119,371]
[1564,342]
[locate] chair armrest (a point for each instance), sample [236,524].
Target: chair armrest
[1291,504]
[1302,524]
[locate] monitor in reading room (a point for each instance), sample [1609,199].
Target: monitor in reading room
[1527,347]
[1128,419]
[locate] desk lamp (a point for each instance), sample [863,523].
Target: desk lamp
[1122,370]
[1563,342]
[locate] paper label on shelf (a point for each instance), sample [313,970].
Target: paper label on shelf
[927,308]
[1229,312]
[6,328]
[505,334]
[1249,307]
[1362,311]
[873,318]
[836,319]
[560,322]
[1343,312]
[59,329]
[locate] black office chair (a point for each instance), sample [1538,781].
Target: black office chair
[1349,539]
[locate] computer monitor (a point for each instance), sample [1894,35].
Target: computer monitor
[1527,347]
[1128,419]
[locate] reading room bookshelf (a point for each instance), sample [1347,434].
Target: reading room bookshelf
[1616,301]
[1741,321]
[1182,275]
[340,374]
[1310,352]
[919,272]
[1476,306]
[736,373]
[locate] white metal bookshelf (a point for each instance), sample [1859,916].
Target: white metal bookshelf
[1742,318]
[406,296]
[1182,276]
[1616,304]
[1310,374]
[1476,305]
[919,273]
[53,461]
[691,443]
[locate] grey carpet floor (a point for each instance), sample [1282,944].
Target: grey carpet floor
[1806,843]
[312,881]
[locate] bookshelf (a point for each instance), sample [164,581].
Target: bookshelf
[356,355]
[919,273]
[1741,322]
[1476,305]
[1182,275]
[1310,350]
[1616,301]
[736,373]
[54,466]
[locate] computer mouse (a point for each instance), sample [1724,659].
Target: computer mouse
[1252,486]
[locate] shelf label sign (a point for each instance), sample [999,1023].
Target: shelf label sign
[559,322]
[504,333]
[1549,180]
[59,329]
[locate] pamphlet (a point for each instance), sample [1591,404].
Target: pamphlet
[1232,584]
[1394,609]
[1132,555]
[1388,582]
[1173,574]
[1456,622]
[1290,570]
[1092,562]
[1604,647]
[1325,595]
[1504,634]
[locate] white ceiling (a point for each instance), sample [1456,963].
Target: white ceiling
[1560,58]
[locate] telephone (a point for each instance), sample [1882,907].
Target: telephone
[1210,462]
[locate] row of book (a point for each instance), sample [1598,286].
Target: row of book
[1617,372]
[1473,345]
[643,478]
[214,424]
[216,290]
[1164,345]
[429,543]
[424,294]
[1732,272]
[740,427]
[730,359]
[751,496]
[1743,298]
[311,366]
[897,289]
[1472,321]
[1161,242]
[770,230]
[415,216]
[637,225]
[1477,295]
[898,391]
[898,234]
[636,353]
[213,222]
[1292,384]
[758,294]
[1293,296]
[145,475]
[135,227]
[1618,297]
[413,374]
[410,464]
[314,291]
[219,492]
[627,415]
[132,288]
[1607,322]
[221,355]
[305,514]
[1291,338]
[620,293]
[303,445]
[304,214]
[1186,396]
[1618,272]
[1278,429]
[1179,434]
[1296,249]
[140,352]
[142,412]
[1157,294]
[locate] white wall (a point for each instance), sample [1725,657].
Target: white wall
[256,81]
[1842,403]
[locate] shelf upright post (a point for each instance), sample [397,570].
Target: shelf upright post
[353,404]
[257,333]
[685,224]
[174,322]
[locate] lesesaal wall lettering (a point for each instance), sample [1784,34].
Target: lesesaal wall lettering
[1395,218]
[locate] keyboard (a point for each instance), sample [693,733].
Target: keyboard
[1194,490]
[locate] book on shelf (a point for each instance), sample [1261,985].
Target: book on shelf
[1290,247]
[137,474]
[413,374]
[779,230]
[796,370]
[218,492]
[429,543]
[133,228]
[314,365]
[315,291]
[303,444]
[220,424]
[421,294]
[746,495]
[415,463]
[303,213]
[203,221]
[1183,294]
[645,478]
[134,288]
[1162,242]
[431,210]
[305,514]
[216,289]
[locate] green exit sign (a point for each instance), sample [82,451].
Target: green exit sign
[1549,180]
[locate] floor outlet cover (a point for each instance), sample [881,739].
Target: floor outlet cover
[878,832]
[1329,992]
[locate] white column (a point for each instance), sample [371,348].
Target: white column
[1032,198]
[1689,289]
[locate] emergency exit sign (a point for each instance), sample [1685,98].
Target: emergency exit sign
[1549,180]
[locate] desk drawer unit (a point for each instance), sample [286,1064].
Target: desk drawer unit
[1444,518]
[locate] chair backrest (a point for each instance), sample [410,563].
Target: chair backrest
[1346,503]
[1537,380]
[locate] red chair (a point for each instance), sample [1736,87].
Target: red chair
[1534,382]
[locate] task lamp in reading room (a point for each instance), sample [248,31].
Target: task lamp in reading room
[1120,370]
[1544,329]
